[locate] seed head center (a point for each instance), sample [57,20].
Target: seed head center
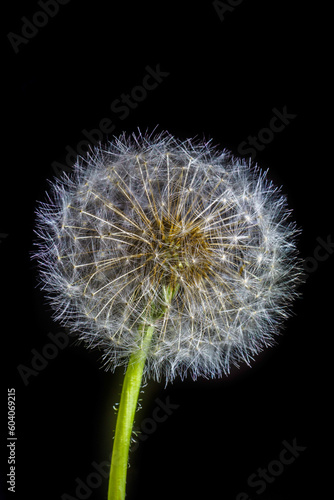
[183,252]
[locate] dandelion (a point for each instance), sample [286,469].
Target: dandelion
[173,258]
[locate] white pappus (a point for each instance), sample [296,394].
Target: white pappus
[150,230]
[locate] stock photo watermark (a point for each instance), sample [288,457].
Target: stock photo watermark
[31,27]
[320,254]
[11,440]
[260,479]
[149,425]
[3,236]
[84,487]
[40,359]
[222,8]
[278,122]
[121,107]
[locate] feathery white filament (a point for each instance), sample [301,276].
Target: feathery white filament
[146,213]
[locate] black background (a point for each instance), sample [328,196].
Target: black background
[224,79]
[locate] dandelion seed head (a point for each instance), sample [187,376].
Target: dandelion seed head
[177,235]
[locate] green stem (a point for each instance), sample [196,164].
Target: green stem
[129,398]
[125,418]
